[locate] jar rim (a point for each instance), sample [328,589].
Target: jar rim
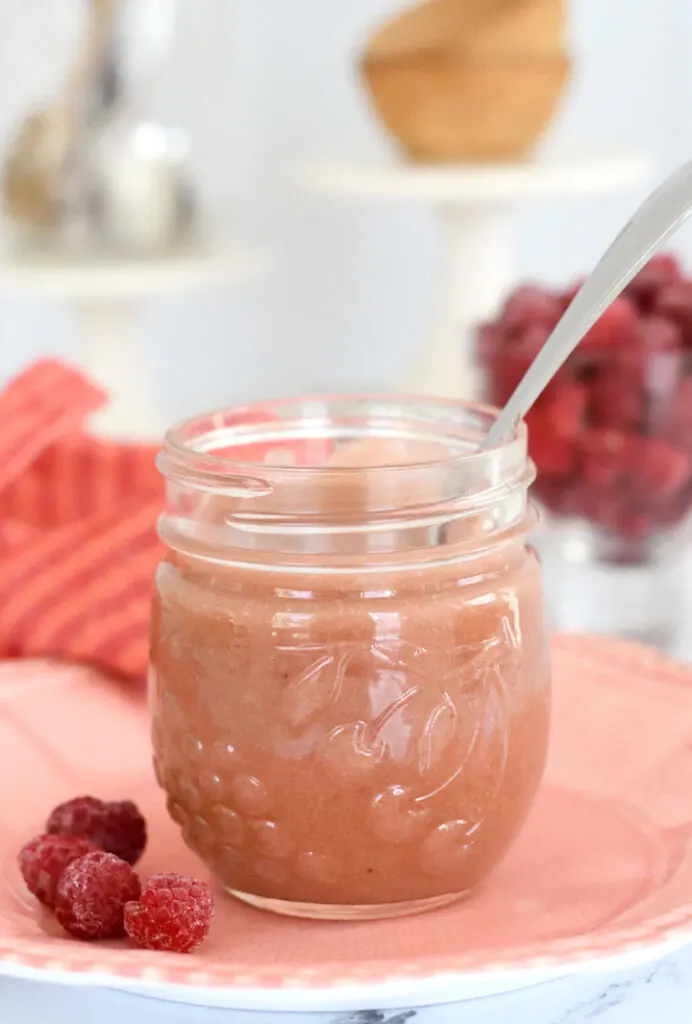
[318,504]
[263,415]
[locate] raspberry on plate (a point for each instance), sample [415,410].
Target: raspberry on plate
[43,861]
[92,894]
[173,914]
[116,826]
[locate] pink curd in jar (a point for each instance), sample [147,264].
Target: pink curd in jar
[350,733]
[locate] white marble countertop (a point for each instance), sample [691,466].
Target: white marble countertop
[661,992]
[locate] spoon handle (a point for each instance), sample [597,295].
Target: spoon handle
[655,220]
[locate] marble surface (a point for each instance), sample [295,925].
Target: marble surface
[659,992]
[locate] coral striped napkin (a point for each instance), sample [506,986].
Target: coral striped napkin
[78,543]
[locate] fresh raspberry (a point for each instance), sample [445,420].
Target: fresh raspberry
[618,392]
[173,914]
[660,470]
[662,270]
[675,303]
[489,342]
[634,526]
[553,455]
[44,859]
[605,455]
[530,306]
[506,372]
[527,345]
[672,414]
[92,894]
[116,827]
[616,326]
[567,297]
[566,409]
[659,335]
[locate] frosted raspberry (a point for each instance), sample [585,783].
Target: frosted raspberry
[675,304]
[116,827]
[43,861]
[615,327]
[173,914]
[530,306]
[662,270]
[92,894]
[569,295]
[553,455]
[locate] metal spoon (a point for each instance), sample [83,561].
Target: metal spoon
[657,218]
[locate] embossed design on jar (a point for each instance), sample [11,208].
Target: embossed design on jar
[198,834]
[158,770]
[186,792]
[176,812]
[271,839]
[317,867]
[395,816]
[210,785]
[348,753]
[169,720]
[270,871]
[249,795]
[423,767]
[449,745]
[227,861]
[157,735]
[152,692]
[479,734]
[438,735]
[193,749]
[317,686]
[222,758]
[229,824]
[446,848]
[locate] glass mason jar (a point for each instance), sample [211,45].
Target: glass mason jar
[349,671]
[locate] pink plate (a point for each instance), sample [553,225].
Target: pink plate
[601,876]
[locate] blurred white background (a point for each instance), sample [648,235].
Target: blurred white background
[265,85]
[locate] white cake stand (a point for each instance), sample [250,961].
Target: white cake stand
[107,297]
[475,207]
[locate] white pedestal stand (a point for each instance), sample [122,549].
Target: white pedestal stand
[475,207]
[107,297]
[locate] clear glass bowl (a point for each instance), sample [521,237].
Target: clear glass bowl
[611,438]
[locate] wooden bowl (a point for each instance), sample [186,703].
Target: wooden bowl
[478,27]
[446,107]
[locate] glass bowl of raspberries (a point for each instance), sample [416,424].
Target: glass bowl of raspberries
[611,438]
